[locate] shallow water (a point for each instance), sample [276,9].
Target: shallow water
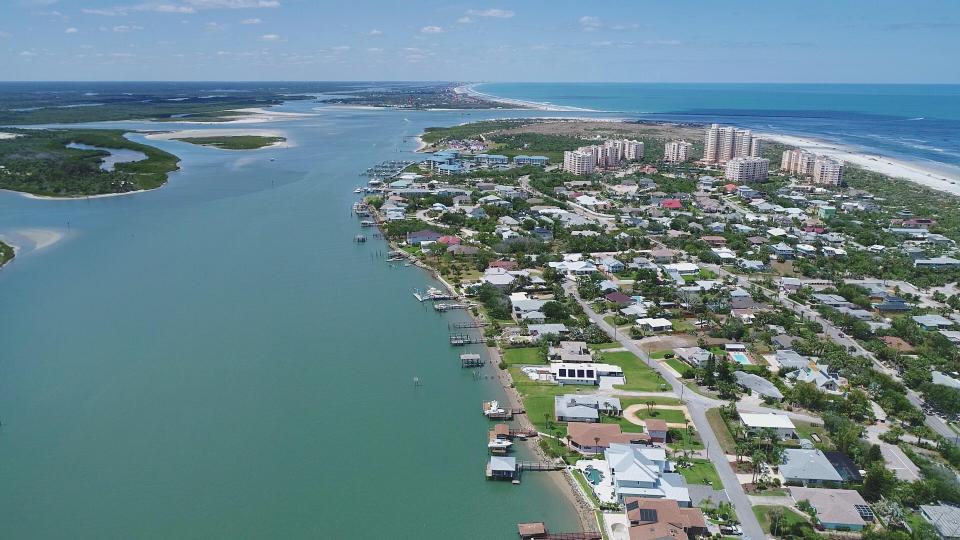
[117,155]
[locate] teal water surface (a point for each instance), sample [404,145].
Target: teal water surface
[218,359]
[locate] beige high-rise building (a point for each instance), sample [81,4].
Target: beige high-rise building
[756,147]
[747,169]
[711,144]
[797,161]
[742,143]
[677,151]
[581,161]
[827,171]
[632,150]
[728,144]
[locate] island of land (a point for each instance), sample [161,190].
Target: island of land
[424,96]
[6,253]
[788,336]
[234,142]
[71,163]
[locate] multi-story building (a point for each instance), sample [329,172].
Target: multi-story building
[677,151]
[632,150]
[797,161]
[747,169]
[721,144]
[827,171]
[582,161]
[756,147]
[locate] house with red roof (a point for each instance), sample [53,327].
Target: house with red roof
[449,240]
[671,204]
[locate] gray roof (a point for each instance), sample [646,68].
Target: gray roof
[577,406]
[932,320]
[503,463]
[805,464]
[790,359]
[945,518]
[758,384]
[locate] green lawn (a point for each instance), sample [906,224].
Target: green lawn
[805,430]
[719,427]
[626,426]
[524,355]
[678,365]
[702,472]
[680,439]
[682,325]
[604,346]
[790,518]
[582,480]
[639,376]
[667,415]
[658,355]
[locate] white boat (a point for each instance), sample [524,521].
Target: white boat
[358,190]
[493,408]
[499,444]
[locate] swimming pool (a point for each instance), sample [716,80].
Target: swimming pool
[740,357]
[593,475]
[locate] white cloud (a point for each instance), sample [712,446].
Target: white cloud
[539,47]
[270,37]
[589,23]
[120,11]
[495,13]
[127,28]
[464,20]
[70,30]
[251,21]
[375,49]
[341,48]
[214,27]
[375,32]
[233,4]
[185,6]
[431,30]
[27,54]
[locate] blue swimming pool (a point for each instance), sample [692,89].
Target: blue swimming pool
[593,475]
[740,357]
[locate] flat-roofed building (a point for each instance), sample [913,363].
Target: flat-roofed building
[579,161]
[827,171]
[747,169]
[779,423]
[677,151]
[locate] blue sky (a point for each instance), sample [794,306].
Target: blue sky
[530,40]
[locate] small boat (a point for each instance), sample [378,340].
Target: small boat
[359,238]
[492,408]
[358,190]
[499,444]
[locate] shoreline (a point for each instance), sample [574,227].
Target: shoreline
[567,486]
[470,90]
[36,197]
[228,132]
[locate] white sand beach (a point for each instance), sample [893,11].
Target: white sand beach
[913,172]
[5,135]
[77,197]
[32,239]
[253,115]
[227,132]
[470,89]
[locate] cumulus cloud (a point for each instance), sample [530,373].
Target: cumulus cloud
[70,30]
[27,54]
[185,6]
[495,13]
[375,32]
[431,30]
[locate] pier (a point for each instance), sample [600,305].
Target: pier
[471,360]
[538,531]
[447,307]
[459,340]
[493,411]
[468,324]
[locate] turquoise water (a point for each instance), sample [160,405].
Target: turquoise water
[117,155]
[912,122]
[218,359]
[594,476]
[740,358]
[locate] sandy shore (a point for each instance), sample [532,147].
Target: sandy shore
[230,132]
[32,239]
[75,197]
[470,90]
[913,172]
[253,115]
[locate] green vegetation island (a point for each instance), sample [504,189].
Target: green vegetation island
[6,253]
[235,142]
[48,163]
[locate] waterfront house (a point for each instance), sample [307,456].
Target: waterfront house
[837,509]
[585,408]
[417,238]
[499,278]
[781,424]
[656,429]
[643,471]
[586,373]
[570,352]
[663,519]
[808,467]
[549,329]
[594,438]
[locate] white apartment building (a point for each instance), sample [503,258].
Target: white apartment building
[747,169]
[756,147]
[711,144]
[632,149]
[581,161]
[677,151]
[827,171]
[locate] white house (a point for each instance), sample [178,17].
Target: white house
[583,373]
[655,326]
[779,423]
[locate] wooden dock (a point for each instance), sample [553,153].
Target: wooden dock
[538,531]
[448,307]
[471,360]
[468,324]
[459,340]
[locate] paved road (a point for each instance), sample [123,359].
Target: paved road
[698,405]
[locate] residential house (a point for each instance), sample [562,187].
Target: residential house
[758,385]
[594,438]
[837,509]
[656,429]
[932,322]
[808,467]
[585,373]
[779,423]
[585,408]
[612,265]
[642,471]
[654,325]
[570,352]
[693,355]
[945,518]
[417,238]
[663,519]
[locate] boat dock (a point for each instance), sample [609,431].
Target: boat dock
[448,307]
[471,360]
[538,530]
[432,294]
[459,340]
[493,411]
[468,324]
